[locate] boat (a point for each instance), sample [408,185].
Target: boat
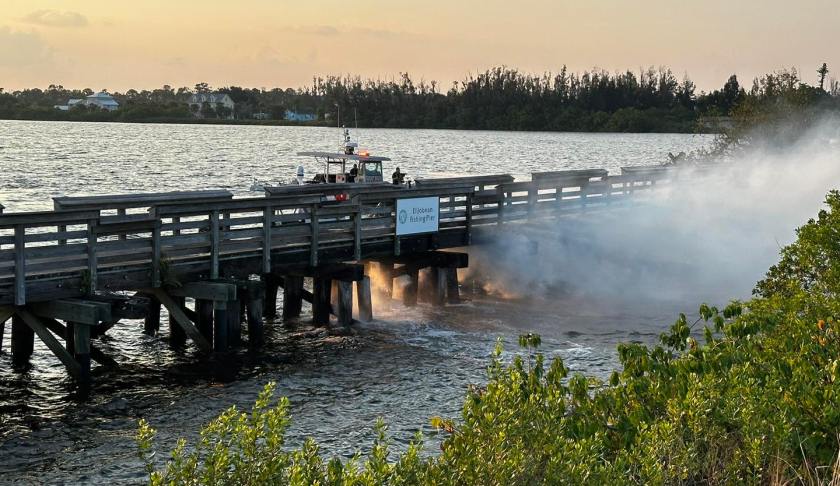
[368,168]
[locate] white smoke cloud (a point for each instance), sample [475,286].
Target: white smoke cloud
[709,238]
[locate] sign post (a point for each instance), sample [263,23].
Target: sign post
[418,215]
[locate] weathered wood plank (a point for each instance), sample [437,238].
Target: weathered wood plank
[20,265]
[86,312]
[214,244]
[47,337]
[205,290]
[182,319]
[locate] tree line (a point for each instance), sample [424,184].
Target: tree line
[652,100]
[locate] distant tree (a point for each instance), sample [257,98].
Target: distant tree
[202,88]
[822,71]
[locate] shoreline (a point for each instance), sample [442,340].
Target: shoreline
[322,124]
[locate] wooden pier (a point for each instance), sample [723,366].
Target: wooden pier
[217,263]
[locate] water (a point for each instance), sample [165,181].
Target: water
[406,366]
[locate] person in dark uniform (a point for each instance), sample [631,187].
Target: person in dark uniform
[397,177]
[351,177]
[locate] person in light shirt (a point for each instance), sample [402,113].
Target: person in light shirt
[301,173]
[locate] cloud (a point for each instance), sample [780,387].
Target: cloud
[54,18]
[333,31]
[21,49]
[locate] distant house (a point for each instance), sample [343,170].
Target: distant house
[100,100]
[300,116]
[262,116]
[213,100]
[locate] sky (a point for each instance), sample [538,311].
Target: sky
[122,44]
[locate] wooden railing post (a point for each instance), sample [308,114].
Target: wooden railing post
[468,217]
[357,235]
[20,265]
[533,197]
[396,236]
[121,212]
[91,250]
[214,244]
[500,214]
[156,255]
[268,220]
[313,250]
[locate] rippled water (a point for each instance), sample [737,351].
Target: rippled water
[407,365]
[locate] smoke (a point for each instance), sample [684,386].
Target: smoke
[709,237]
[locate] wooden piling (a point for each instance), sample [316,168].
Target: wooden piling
[272,284]
[321,300]
[220,326]
[334,297]
[344,303]
[437,287]
[151,326]
[69,338]
[23,341]
[81,345]
[410,290]
[234,322]
[204,313]
[363,299]
[292,296]
[453,291]
[255,318]
[177,336]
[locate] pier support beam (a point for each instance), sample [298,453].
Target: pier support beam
[23,341]
[81,349]
[438,286]
[204,314]
[410,290]
[292,296]
[344,297]
[6,313]
[256,334]
[363,300]
[234,322]
[177,336]
[272,283]
[151,326]
[220,326]
[38,327]
[321,300]
[176,312]
[453,291]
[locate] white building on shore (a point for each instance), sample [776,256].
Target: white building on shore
[213,101]
[101,100]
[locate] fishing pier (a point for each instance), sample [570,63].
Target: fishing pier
[217,263]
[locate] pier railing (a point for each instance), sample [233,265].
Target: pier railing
[83,247]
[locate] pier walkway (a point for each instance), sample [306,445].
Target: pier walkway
[216,262]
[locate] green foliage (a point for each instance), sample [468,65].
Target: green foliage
[497,99]
[752,398]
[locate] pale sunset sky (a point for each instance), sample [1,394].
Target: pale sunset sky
[122,44]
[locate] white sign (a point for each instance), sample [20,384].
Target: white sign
[417,215]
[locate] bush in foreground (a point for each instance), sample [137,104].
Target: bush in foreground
[748,394]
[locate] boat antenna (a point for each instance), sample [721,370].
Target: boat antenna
[356,120]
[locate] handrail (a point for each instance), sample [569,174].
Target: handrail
[206,236]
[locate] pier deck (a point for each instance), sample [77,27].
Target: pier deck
[95,260]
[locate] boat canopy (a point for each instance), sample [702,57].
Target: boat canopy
[337,155]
